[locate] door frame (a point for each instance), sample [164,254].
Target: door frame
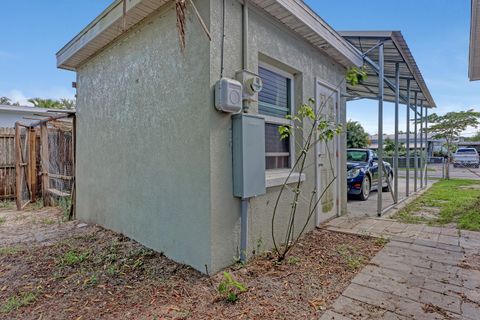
[328,85]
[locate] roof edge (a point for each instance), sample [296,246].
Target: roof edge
[109,25]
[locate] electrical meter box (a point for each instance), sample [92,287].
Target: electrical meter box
[228,95]
[248,155]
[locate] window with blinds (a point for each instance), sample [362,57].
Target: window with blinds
[274,98]
[274,101]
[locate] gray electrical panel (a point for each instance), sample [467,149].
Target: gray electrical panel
[248,155]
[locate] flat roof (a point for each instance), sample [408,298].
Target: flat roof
[474,52]
[469,143]
[22,109]
[395,51]
[295,14]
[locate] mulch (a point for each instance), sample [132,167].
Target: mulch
[103,275]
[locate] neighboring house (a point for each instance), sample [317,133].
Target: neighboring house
[434,145]
[11,114]
[154,156]
[474,56]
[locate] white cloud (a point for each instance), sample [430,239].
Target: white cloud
[54,93]
[50,93]
[17,96]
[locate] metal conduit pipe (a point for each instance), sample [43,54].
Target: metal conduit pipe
[244,229]
[245,35]
[244,201]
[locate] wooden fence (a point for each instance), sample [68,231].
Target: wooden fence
[7,164]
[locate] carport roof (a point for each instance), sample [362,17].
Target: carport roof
[395,51]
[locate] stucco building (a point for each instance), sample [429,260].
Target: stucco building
[154,155]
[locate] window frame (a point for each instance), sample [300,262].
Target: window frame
[282,121]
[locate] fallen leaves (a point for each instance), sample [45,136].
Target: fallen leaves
[120,279]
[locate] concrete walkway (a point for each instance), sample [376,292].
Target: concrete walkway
[422,273]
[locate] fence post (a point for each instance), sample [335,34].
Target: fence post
[45,163]
[32,163]
[18,176]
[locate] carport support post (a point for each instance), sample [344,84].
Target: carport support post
[415,156]
[426,143]
[381,76]
[407,156]
[395,158]
[422,165]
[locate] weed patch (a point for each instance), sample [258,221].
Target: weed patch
[37,205]
[16,302]
[454,201]
[349,253]
[8,251]
[229,288]
[65,204]
[73,257]
[6,204]
[381,241]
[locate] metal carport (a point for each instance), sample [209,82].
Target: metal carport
[393,76]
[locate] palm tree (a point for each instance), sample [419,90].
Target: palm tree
[68,104]
[46,103]
[8,102]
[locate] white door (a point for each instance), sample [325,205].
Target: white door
[327,160]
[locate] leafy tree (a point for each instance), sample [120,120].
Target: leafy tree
[46,103]
[450,126]
[389,145]
[356,135]
[7,101]
[68,104]
[475,137]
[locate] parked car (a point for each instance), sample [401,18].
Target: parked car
[362,173]
[466,157]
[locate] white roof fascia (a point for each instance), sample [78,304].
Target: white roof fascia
[108,26]
[22,109]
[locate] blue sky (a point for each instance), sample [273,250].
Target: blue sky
[31,33]
[437,33]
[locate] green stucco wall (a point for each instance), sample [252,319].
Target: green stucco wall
[154,157]
[273,43]
[143,157]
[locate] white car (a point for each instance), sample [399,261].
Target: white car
[466,157]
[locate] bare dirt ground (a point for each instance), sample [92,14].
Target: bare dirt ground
[34,225]
[67,270]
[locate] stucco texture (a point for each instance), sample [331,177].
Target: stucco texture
[270,42]
[154,157]
[143,157]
